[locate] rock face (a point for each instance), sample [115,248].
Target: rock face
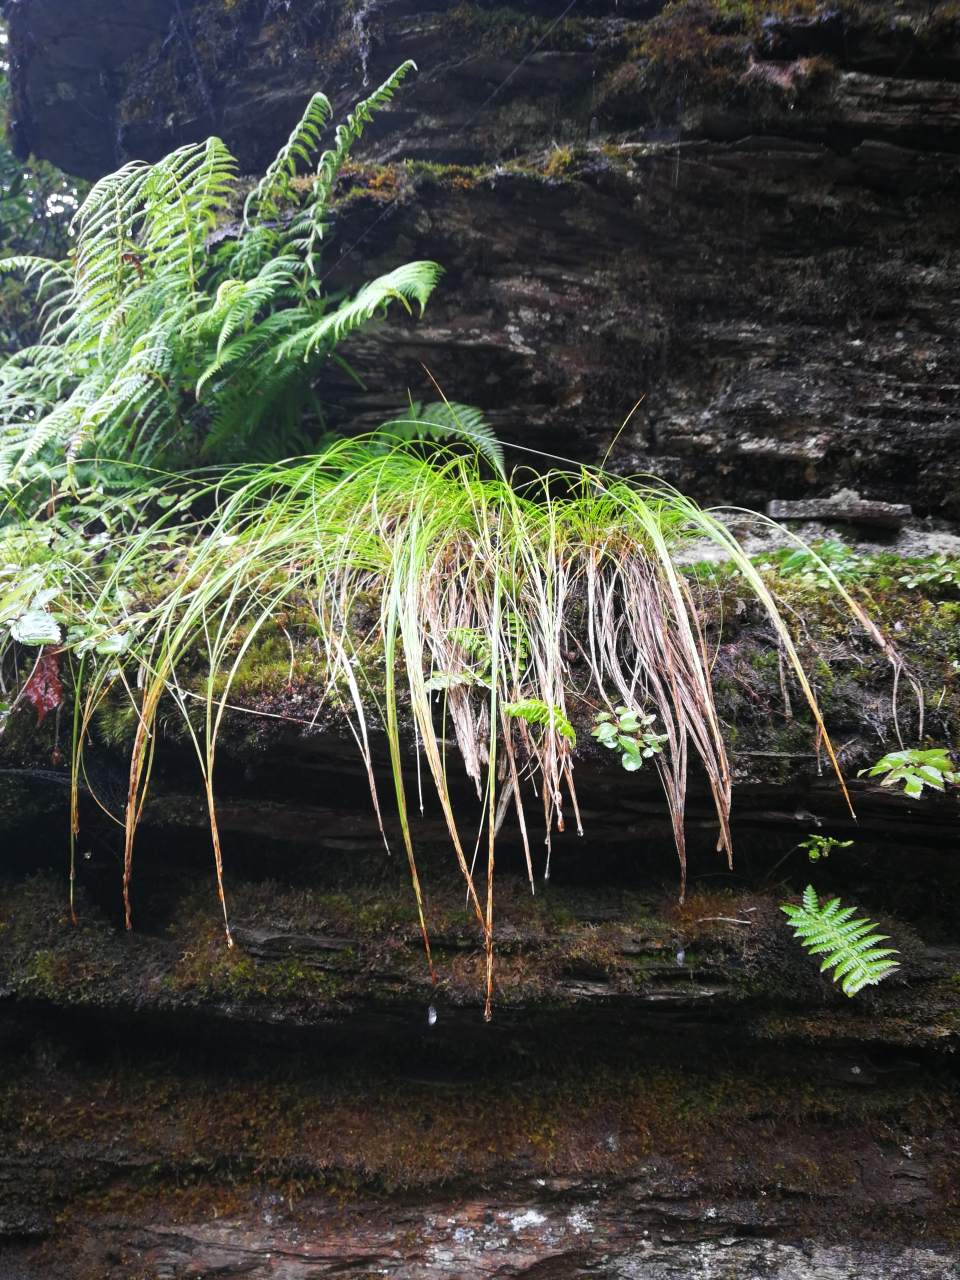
[70,60]
[748,218]
[745,217]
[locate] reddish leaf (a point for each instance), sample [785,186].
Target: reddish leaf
[44,688]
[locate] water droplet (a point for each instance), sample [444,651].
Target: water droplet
[431,1015]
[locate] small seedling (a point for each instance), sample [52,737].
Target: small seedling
[629,733]
[939,572]
[818,847]
[915,769]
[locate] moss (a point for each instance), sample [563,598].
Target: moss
[383,183]
[283,680]
[459,177]
[210,971]
[561,162]
[704,50]
[507,31]
[209,1145]
[545,947]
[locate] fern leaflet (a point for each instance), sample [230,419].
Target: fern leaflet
[446,420]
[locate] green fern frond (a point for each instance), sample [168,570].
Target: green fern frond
[414,281]
[849,946]
[536,712]
[310,227]
[302,143]
[183,197]
[48,270]
[331,162]
[447,420]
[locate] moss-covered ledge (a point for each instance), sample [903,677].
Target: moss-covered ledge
[281,685]
[316,955]
[162,1083]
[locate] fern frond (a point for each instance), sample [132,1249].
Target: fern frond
[447,420]
[104,227]
[849,946]
[302,143]
[46,268]
[414,281]
[183,196]
[347,134]
[310,227]
[536,712]
[236,305]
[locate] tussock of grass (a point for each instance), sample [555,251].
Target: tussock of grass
[495,606]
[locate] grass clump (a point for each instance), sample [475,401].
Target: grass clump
[507,613]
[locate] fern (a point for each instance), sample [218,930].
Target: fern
[311,225]
[849,946]
[174,335]
[446,421]
[817,847]
[303,141]
[536,712]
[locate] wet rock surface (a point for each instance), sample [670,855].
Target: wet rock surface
[662,1087]
[746,218]
[749,219]
[595,1236]
[623,1143]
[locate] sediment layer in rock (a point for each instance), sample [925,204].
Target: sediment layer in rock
[746,218]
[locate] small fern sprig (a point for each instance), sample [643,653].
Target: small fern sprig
[849,946]
[536,712]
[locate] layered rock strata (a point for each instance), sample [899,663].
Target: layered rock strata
[746,217]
